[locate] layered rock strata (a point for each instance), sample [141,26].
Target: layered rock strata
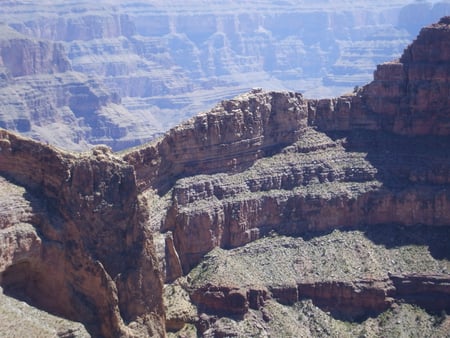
[170,60]
[79,248]
[44,98]
[330,164]
[309,165]
[351,301]
[106,230]
[406,97]
[357,275]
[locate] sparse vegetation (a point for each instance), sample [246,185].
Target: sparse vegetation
[339,255]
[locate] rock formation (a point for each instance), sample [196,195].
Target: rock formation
[325,164]
[146,66]
[44,98]
[269,204]
[34,321]
[79,249]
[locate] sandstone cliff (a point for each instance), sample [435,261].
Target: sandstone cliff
[278,163]
[78,246]
[274,159]
[167,61]
[269,209]
[406,97]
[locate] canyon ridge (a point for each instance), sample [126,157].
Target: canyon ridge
[121,73]
[270,215]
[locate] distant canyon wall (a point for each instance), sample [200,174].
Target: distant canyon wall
[160,64]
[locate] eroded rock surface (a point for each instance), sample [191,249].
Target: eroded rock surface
[34,322]
[344,164]
[77,245]
[44,98]
[143,67]
[269,205]
[357,276]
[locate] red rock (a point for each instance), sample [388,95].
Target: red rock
[221,299]
[90,258]
[407,96]
[431,292]
[262,162]
[349,300]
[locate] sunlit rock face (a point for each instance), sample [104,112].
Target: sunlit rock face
[271,212]
[160,63]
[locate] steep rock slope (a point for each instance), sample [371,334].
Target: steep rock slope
[35,322]
[406,97]
[361,158]
[209,206]
[77,245]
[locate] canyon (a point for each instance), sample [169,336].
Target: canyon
[122,73]
[271,214]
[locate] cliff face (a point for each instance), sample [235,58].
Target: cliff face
[294,166]
[44,98]
[23,57]
[369,176]
[228,138]
[169,61]
[266,202]
[80,248]
[406,97]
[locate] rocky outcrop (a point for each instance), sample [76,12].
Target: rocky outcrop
[406,97]
[222,299]
[431,292]
[80,249]
[355,300]
[359,275]
[229,138]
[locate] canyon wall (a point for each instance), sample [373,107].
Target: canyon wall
[159,66]
[310,165]
[79,249]
[42,97]
[367,159]
[106,230]
[406,97]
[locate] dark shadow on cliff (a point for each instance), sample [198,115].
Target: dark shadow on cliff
[34,276]
[402,161]
[406,162]
[436,238]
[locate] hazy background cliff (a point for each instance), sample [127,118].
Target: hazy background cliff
[77,73]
